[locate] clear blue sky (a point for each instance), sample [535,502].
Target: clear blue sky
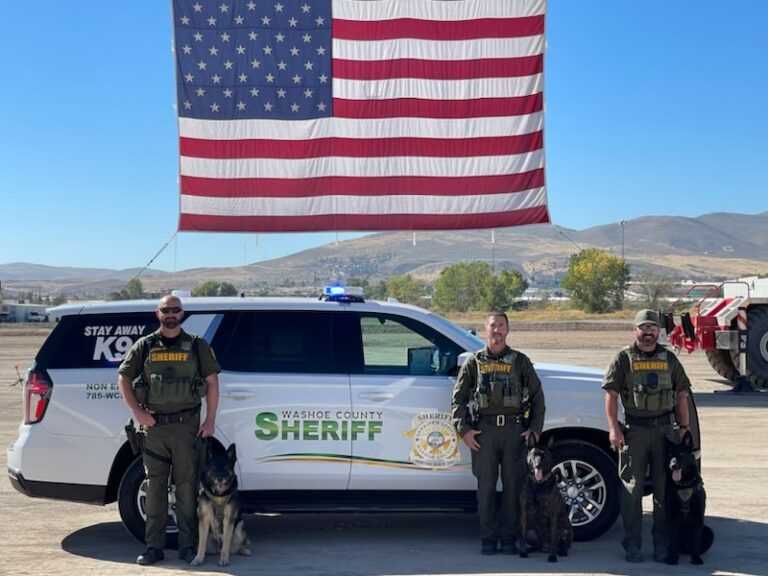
[654,107]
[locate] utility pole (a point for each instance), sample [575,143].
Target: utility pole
[493,251]
[622,224]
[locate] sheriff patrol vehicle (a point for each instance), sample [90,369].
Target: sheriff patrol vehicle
[334,404]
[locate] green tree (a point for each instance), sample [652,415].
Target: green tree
[502,290]
[377,291]
[134,290]
[405,288]
[596,281]
[653,288]
[214,288]
[463,287]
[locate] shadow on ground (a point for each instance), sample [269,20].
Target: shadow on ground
[400,544]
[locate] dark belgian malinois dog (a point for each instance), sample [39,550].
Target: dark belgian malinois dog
[544,521]
[220,523]
[686,503]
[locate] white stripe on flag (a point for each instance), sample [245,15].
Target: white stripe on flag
[370,167]
[437,89]
[432,50]
[361,205]
[360,128]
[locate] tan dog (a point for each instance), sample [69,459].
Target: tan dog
[220,524]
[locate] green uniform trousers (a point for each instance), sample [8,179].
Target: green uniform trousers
[645,446]
[176,442]
[501,448]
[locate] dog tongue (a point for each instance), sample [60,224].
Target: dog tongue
[677,475]
[539,474]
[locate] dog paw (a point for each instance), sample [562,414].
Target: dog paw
[552,558]
[244,552]
[197,561]
[696,560]
[223,561]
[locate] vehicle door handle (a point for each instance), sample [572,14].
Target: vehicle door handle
[376,396]
[238,394]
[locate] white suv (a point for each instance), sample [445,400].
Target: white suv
[333,405]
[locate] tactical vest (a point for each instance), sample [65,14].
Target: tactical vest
[650,382]
[498,379]
[169,379]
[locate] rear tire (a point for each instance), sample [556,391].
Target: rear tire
[722,362]
[589,485]
[757,347]
[131,501]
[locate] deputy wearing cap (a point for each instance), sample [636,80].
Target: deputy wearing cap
[653,389]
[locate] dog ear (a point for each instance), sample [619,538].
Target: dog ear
[232,453]
[688,439]
[531,440]
[697,454]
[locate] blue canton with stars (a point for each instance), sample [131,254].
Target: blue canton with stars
[246,60]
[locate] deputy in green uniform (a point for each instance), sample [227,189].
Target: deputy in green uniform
[175,370]
[497,403]
[653,389]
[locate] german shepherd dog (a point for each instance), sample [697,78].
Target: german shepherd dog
[544,521]
[220,524]
[686,503]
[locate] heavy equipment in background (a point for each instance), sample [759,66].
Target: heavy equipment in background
[729,321]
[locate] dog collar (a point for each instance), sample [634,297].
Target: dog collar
[220,500]
[685,494]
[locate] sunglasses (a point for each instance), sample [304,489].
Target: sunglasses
[170,309]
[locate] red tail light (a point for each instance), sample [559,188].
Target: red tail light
[37,393]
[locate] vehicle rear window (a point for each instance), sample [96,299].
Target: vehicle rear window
[282,341]
[93,341]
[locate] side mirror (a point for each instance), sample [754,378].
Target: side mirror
[462,358]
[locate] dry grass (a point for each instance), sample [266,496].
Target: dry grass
[548,313]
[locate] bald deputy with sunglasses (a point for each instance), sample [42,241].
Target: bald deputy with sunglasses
[163,379]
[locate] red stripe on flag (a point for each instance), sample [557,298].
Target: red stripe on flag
[438,29]
[362,148]
[352,222]
[418,108]
[438,69]
[360,186]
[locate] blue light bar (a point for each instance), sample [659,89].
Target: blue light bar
[341,293]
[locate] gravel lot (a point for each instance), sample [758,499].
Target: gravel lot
[47,537]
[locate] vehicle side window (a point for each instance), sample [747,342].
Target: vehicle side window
[400,345]
[282,341]
[93,340]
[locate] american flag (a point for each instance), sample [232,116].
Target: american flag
[351,115]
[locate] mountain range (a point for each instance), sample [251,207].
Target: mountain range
[711,247]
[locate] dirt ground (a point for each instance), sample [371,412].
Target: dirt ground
[52,538]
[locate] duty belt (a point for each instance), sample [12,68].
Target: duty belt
[177,417]
[663,420]
[500,419]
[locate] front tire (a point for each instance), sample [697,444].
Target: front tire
[131,501]
[589,484]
